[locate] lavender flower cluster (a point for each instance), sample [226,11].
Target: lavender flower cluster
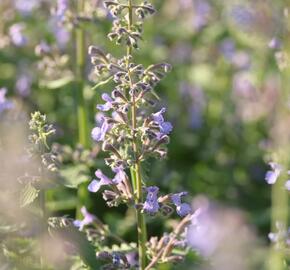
[129,143]
[131,132]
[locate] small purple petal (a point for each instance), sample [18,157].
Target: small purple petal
[88,219]
[166,127]
[99,133]
[119,177]
[158,117]
[94,186]
[151,204]
[272,176]
[106,97]
[96,134]
[104,107]
[183,209]
[77,223]
[274,44]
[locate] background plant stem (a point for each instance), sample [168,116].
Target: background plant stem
[82,118]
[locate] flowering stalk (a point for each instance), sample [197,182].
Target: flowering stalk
[131,133]
[81,106]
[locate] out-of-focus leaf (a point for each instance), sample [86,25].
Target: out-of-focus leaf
[80,242]
[8,228]
[28,194]
[102,83]
[73,176]
[57,83]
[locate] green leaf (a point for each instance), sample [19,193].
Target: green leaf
[57,83]
[28,194]
[73,176]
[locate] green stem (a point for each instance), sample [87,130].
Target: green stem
[136,169]
[82,118]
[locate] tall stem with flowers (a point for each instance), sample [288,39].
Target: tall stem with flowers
[131,133]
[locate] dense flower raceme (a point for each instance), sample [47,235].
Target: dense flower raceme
[131,131]
[115,130]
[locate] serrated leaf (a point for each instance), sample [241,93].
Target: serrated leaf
[28,194]
[80,242]
[73,176]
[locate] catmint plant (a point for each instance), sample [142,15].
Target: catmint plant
[131,131]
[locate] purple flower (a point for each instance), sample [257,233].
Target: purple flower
[165,127]
[202,11]
[120,175]
[23,85]
[88,219]
[42,48]
[4,103]
[274,44]
[242,15]
[26,7]
[95,185]
[16,34]
[158,117]
[62,36]
[272,176]
[151,204]
[182,209]
[62,7]
[98,133]
[108,105]
[228,48]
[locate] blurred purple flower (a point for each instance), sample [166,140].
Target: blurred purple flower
[108,105]
[42,48]
[23,85]
[61,9]
[228,48]
[274,44]
[202,11]
[193,95]
[241,60]
[242,15]
[242,85]
[182,209]
[272,176]
[88,219]
[151,205]
[26,7]
[16,34]
[62,35]
[4,103]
